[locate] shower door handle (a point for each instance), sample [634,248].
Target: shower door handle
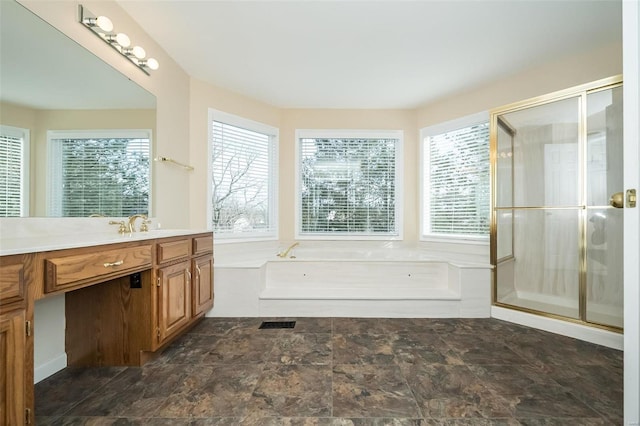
[617,200]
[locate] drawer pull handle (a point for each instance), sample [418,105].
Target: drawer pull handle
[118,263]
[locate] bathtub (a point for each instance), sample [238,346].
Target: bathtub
[328,281]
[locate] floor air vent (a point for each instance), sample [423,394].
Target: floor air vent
[277,324]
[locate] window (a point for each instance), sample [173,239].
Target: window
[349,184]
[243,177]
[456,179]
[99,172]
[14,172]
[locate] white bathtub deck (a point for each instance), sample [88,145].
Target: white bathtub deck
[362,293]
[371,287]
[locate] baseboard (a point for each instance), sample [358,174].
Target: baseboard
[577,331]
[49,368]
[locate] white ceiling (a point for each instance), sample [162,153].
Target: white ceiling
[370,54]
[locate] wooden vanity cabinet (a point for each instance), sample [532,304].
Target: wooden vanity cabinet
[202,290]
[185,283]
[12,369]
[87,266]
[202,282]
[123,303]
[136,316]
[174,289]
[16,341]
[174,299]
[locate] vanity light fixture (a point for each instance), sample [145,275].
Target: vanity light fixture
[103,28]
[138,52]
[121,40]
[101,22]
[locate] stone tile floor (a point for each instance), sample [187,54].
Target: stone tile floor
[349,371]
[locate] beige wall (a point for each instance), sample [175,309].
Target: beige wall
[204,97]
[536,81]
[183,103]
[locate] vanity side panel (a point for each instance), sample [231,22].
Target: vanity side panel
[12,385]
[16,315]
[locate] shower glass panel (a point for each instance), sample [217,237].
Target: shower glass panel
[556,238]
[538,214]
[604,298]
[504,189]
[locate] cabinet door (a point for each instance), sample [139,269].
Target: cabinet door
[202,284]
[12,384]
[174,298]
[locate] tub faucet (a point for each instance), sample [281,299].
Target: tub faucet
[284,254]
[132,221]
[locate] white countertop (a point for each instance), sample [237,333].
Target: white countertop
[30,236]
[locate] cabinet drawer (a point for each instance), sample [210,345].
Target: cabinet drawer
[203,244]
[75,270]
[172,250]
[12,288]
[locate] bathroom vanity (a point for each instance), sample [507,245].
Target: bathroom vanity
[126,297]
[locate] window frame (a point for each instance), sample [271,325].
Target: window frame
[425,184]
[398,187]
[25,136]
[274,140]
[52,191]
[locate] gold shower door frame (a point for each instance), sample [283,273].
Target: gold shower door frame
[496,123]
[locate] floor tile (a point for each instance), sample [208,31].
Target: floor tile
[371,391]
[483,349]
[359,326]
[453,391]
[423,348]
[65,389]
[212,391]
[363,349]
[222,326]
[302,348]
[241,347]
[292,390]
[349,371]
[311,325]
[512,379]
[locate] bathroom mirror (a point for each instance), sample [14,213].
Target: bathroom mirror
[50,82]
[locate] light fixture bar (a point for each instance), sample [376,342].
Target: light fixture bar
[102,27]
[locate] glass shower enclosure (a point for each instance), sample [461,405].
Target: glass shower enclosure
[556,225]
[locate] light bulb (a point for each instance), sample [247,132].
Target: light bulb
[123,40]
[138,52]
[153,64]
[104,24]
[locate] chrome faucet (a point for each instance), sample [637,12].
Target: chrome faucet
[132,221]
[284,254]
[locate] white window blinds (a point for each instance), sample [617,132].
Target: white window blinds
[348,186]
[457,186]
[243,181]
[14,172]
[102,174]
